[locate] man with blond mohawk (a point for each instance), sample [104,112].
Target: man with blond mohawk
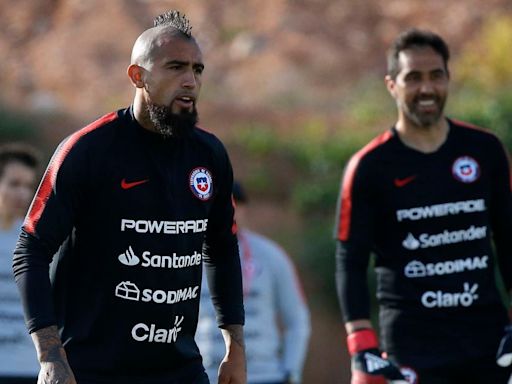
[132,205]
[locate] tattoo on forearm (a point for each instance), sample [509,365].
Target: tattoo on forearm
[55,368]
[48,344]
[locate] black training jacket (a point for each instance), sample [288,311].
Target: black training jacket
[130,217]
[430,219]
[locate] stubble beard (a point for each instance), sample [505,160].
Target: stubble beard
[421,119]
[170,124]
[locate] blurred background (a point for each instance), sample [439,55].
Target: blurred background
[292,87]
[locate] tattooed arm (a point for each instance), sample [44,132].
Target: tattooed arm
[232,369]
[52,357]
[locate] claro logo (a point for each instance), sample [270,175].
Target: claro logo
[440,299]
[426,240]
[151,334]
[165,227]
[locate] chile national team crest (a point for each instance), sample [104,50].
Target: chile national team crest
[466,169]
[201,183]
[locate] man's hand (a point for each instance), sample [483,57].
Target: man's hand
[55,373]
[232,369]
[52,357]
[504,355]
[368,366]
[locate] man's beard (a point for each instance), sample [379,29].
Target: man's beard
[422,119]
[170,124]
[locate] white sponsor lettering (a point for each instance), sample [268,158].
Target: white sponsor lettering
[444,238]
[174,261]
[129,291]
[440,210]
[169,297]
[374,363]
[166,227]
[151,334]
[160,261]
[440,299]
[416,268]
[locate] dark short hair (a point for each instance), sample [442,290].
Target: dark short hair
[414,38]
[18,153]
[239,193]
[174,19]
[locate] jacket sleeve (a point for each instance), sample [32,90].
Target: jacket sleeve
[220,251]
[501,215]
[48,223]
[354,235]
[293,312]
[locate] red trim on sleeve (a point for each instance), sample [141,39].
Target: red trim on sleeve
[234,226]
[348,180]
[46,187]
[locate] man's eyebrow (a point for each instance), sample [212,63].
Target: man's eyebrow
[178,62]
[181,62]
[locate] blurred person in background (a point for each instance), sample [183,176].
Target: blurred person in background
[19,165]
[429,197]
[129,209]
[277,323]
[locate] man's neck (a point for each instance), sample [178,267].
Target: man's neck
[141,114]
[423,139]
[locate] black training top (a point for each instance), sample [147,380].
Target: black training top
[429,218]
[134,215]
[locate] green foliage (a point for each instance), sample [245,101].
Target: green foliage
[483,79]
[14,127]
[485,63]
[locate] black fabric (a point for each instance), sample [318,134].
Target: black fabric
[476,371]
[18,380]
[128,227]
[431,220]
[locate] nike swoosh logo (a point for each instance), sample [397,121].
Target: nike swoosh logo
[127,185]
[399,183]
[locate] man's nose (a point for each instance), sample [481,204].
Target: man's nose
[427,87]
[189,80]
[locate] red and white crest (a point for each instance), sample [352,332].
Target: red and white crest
[466,169]
[201,183]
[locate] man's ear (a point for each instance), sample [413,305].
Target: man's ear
[136,75]
[390,84]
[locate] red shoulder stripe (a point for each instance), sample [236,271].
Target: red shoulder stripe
[46,187]
[348,179]
[471,126]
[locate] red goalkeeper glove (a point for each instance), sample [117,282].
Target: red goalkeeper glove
[368,365]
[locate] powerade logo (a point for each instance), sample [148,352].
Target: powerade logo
[166,227]
[416,268]
[440,210]
[426,240]
[440,299]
